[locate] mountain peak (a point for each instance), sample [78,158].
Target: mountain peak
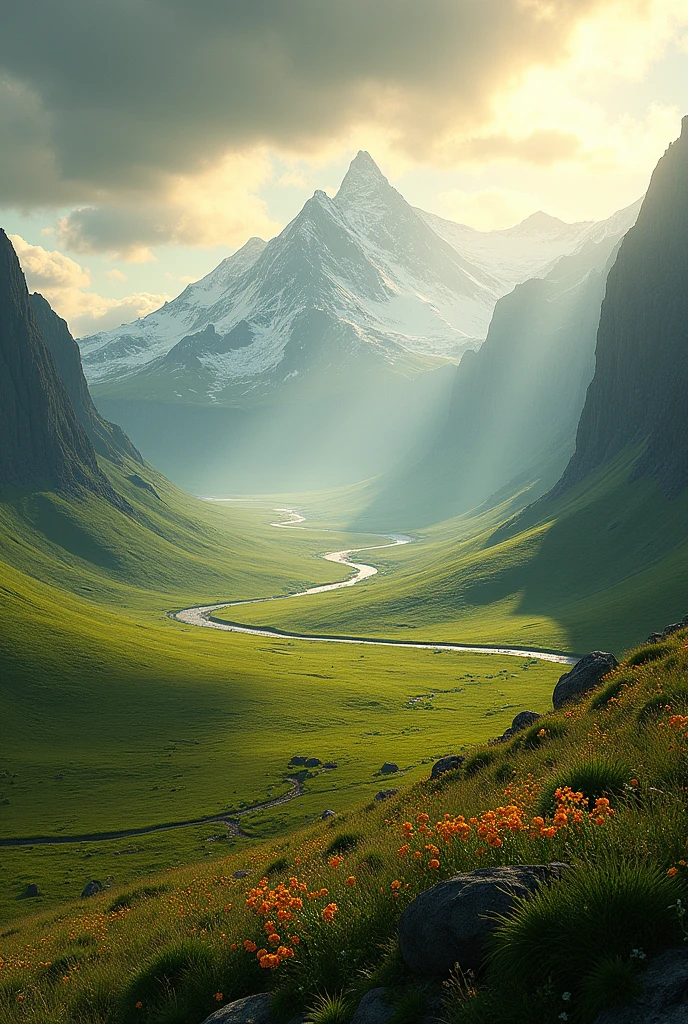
[363,176]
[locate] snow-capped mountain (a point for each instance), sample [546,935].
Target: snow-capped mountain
[393,276]
[365,257]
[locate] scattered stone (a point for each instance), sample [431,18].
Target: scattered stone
[241,873]
[385,794]
[664,999]
[373,1008]
[522,720]
[58,776]
[298,760]
[668,631]
[389,768]
[585,675]
[450,922]
[328,814]
[446,764]
[92,888]
[251,1010]
[31,890]
[313,762]
[330,764]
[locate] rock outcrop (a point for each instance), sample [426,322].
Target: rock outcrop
[668,631]
[446,764]
[449,923]
[585,675]
[638,393]
[44,446]
[107,438]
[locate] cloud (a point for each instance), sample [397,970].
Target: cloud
[218,206]
[66,286]
[153,119]
[115,274]
[487,210]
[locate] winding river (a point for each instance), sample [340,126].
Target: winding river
[205,615]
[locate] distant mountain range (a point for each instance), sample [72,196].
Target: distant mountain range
[313,359]
[400,279]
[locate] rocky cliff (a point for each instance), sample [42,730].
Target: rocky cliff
[107,438]
[638,393]
[43,443]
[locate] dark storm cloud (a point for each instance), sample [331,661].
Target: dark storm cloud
[103,98]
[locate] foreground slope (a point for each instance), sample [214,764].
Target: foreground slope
[189,941]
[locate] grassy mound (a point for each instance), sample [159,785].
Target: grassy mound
[314,921]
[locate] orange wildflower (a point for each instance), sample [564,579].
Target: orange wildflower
[350,881]
[249,946]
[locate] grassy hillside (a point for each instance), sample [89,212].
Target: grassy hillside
[173,949]
[115,717]
[597,567]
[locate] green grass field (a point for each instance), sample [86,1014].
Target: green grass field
[171,949]
[597,568]
[116,717]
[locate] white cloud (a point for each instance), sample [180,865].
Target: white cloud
[115,274]
[66,286]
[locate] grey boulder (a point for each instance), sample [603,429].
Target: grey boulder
[92,888]
[373,1008]
[446,764]
[522,720]
[389,768]
[585,675]
[328,814]
[449,923]
[313,762]
[385,794]
[241,873]
[250,1010]
[664,997]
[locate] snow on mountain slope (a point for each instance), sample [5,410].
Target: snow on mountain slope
[530,248]
[394,278]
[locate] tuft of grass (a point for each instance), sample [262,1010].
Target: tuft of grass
[178,980]
[596,777]
[410,1004]
[595,912]
[345,842]
[276,866]
[475,763]
[541,732]
[334,1009]
[673,700]
[611,690]
[612,982]
[644,655]
[126,900]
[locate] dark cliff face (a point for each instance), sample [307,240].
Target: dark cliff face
[43,445]
[639,391]
[107,438]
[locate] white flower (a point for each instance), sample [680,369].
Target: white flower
[566,996]
[563,1016]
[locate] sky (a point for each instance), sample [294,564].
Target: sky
[143,141]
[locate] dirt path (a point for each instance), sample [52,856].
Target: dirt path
[229,819]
